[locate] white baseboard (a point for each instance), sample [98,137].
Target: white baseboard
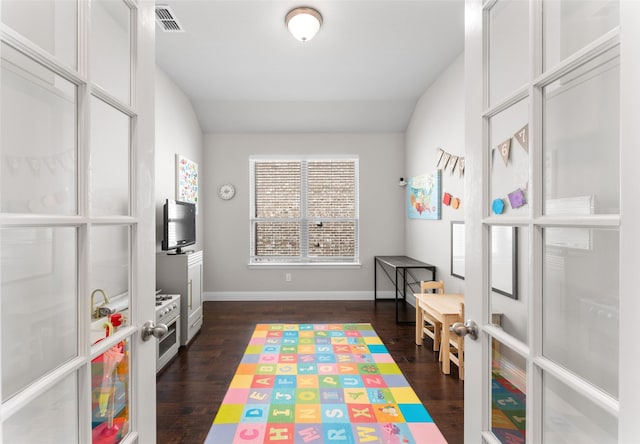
[298,296]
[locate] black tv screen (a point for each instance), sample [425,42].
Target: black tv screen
[179,224]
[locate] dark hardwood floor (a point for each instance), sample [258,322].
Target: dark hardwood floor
[192,386]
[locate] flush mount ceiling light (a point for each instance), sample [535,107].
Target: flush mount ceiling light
[303,23]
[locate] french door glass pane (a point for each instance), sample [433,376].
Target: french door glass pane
[509,161]
[509,279]
[110,394]
[38,138]
[111,47]
[38,305]
[110,270]
[581,140]
[51,417]
[110,155]
[49,24]
[508,48]
[581,303]
[572,418]
[571,25]
[508,394]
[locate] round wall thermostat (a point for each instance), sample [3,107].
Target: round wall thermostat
[226,191]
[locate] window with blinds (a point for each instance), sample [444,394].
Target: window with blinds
[304,210]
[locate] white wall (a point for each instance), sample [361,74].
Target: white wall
[226,271]
[177,132]
[437,122]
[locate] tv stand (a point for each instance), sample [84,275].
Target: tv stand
[179,251]
[182,274]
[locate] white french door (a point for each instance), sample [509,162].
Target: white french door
[552,216]
[77,235]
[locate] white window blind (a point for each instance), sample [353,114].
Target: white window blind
[304,210]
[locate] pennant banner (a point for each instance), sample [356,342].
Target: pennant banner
[522,136]
[449,162]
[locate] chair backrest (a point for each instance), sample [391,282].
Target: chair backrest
[432,285]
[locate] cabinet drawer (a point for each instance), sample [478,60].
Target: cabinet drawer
[194,326]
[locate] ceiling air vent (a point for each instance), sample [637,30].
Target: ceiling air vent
[167,19]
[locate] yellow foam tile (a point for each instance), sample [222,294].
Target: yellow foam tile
[372,340]
[241,381]
[253,350]
[229,414]
[404,395]
[388,368]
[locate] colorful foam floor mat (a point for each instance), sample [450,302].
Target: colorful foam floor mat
[320,384]
[508,417]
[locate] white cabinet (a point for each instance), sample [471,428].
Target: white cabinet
[182,274]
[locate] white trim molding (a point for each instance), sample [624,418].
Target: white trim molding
[217,296]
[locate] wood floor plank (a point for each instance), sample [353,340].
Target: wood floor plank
[191,387]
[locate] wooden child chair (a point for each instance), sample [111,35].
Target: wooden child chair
[456,347]
[431,327]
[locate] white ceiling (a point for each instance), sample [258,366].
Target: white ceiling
[363,72]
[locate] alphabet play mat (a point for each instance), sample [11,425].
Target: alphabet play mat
[320,383]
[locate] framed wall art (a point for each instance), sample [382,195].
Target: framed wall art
[424,196]
[186,180]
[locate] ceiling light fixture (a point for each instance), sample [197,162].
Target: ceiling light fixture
[303,23]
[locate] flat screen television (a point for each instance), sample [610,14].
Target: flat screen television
[179,225]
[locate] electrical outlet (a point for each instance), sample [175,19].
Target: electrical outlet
[287,277]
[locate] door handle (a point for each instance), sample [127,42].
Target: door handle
[150,328]
[468,328]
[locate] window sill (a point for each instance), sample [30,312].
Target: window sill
[305,265]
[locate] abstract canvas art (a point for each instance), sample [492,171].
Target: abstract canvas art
[186,180]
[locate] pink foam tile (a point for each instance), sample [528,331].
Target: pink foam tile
[424,432]
[382,358]
[257,341]
[236,396]
[249,433]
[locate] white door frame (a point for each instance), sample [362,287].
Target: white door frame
[144,397]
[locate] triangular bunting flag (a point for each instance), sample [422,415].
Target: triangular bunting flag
[439,155]
[522,136]
[505,149]
[34,163]
[452,164]
[445,160]
[461,166]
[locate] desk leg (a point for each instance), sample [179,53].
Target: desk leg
[396,286]
[444,347]
[419,323]
[375,280]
